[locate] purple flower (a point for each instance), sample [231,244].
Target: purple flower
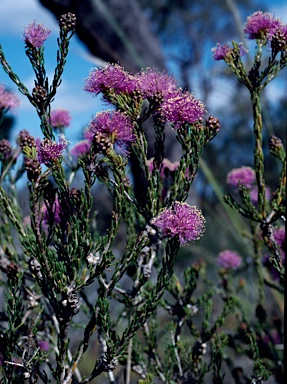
[115,126]
[182,220]
[181,108]
[111,77]
[221,51]
[36,34]
[8,100]
[60,118]
[244,175]
[81,149]
[229,259]
[242,49]
[261,25]
[44,345]
[153,83]
[49,151]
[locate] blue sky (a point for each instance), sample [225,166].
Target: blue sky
[14,16]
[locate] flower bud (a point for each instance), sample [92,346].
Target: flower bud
[39,95]
[33,169]
[279,42]
[101,142]
[5,150]
[68,21]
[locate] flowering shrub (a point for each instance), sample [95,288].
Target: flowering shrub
[66,280]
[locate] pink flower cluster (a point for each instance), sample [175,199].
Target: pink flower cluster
[220,52]
[36,34]
[81,149]
[49,151]
[243,175]
[262,25]
[44,345]
[60,118]
[229,259]
[115,126]
[171,103]
[182,220]
[8,100]
[180,108]
[111,77]
[152,83]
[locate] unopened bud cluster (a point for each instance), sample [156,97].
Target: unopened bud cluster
[26,140]
[5,149]
[213,123]
[279,42]
[33,169]
[101,142]
[276,147]
[275,143]
[68,21]
[40,95]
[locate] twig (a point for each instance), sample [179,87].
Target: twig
[129,362]
[70,357]
[172,336]
[158,366]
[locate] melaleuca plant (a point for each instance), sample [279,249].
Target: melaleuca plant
[83,304]
[270,34]
[59,251]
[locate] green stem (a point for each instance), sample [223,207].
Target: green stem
[258,151]
[6,205]
[258,262]
[14,77]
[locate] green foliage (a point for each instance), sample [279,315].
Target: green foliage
[121,284]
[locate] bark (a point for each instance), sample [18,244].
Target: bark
[113,30]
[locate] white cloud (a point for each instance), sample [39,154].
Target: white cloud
[16,14]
